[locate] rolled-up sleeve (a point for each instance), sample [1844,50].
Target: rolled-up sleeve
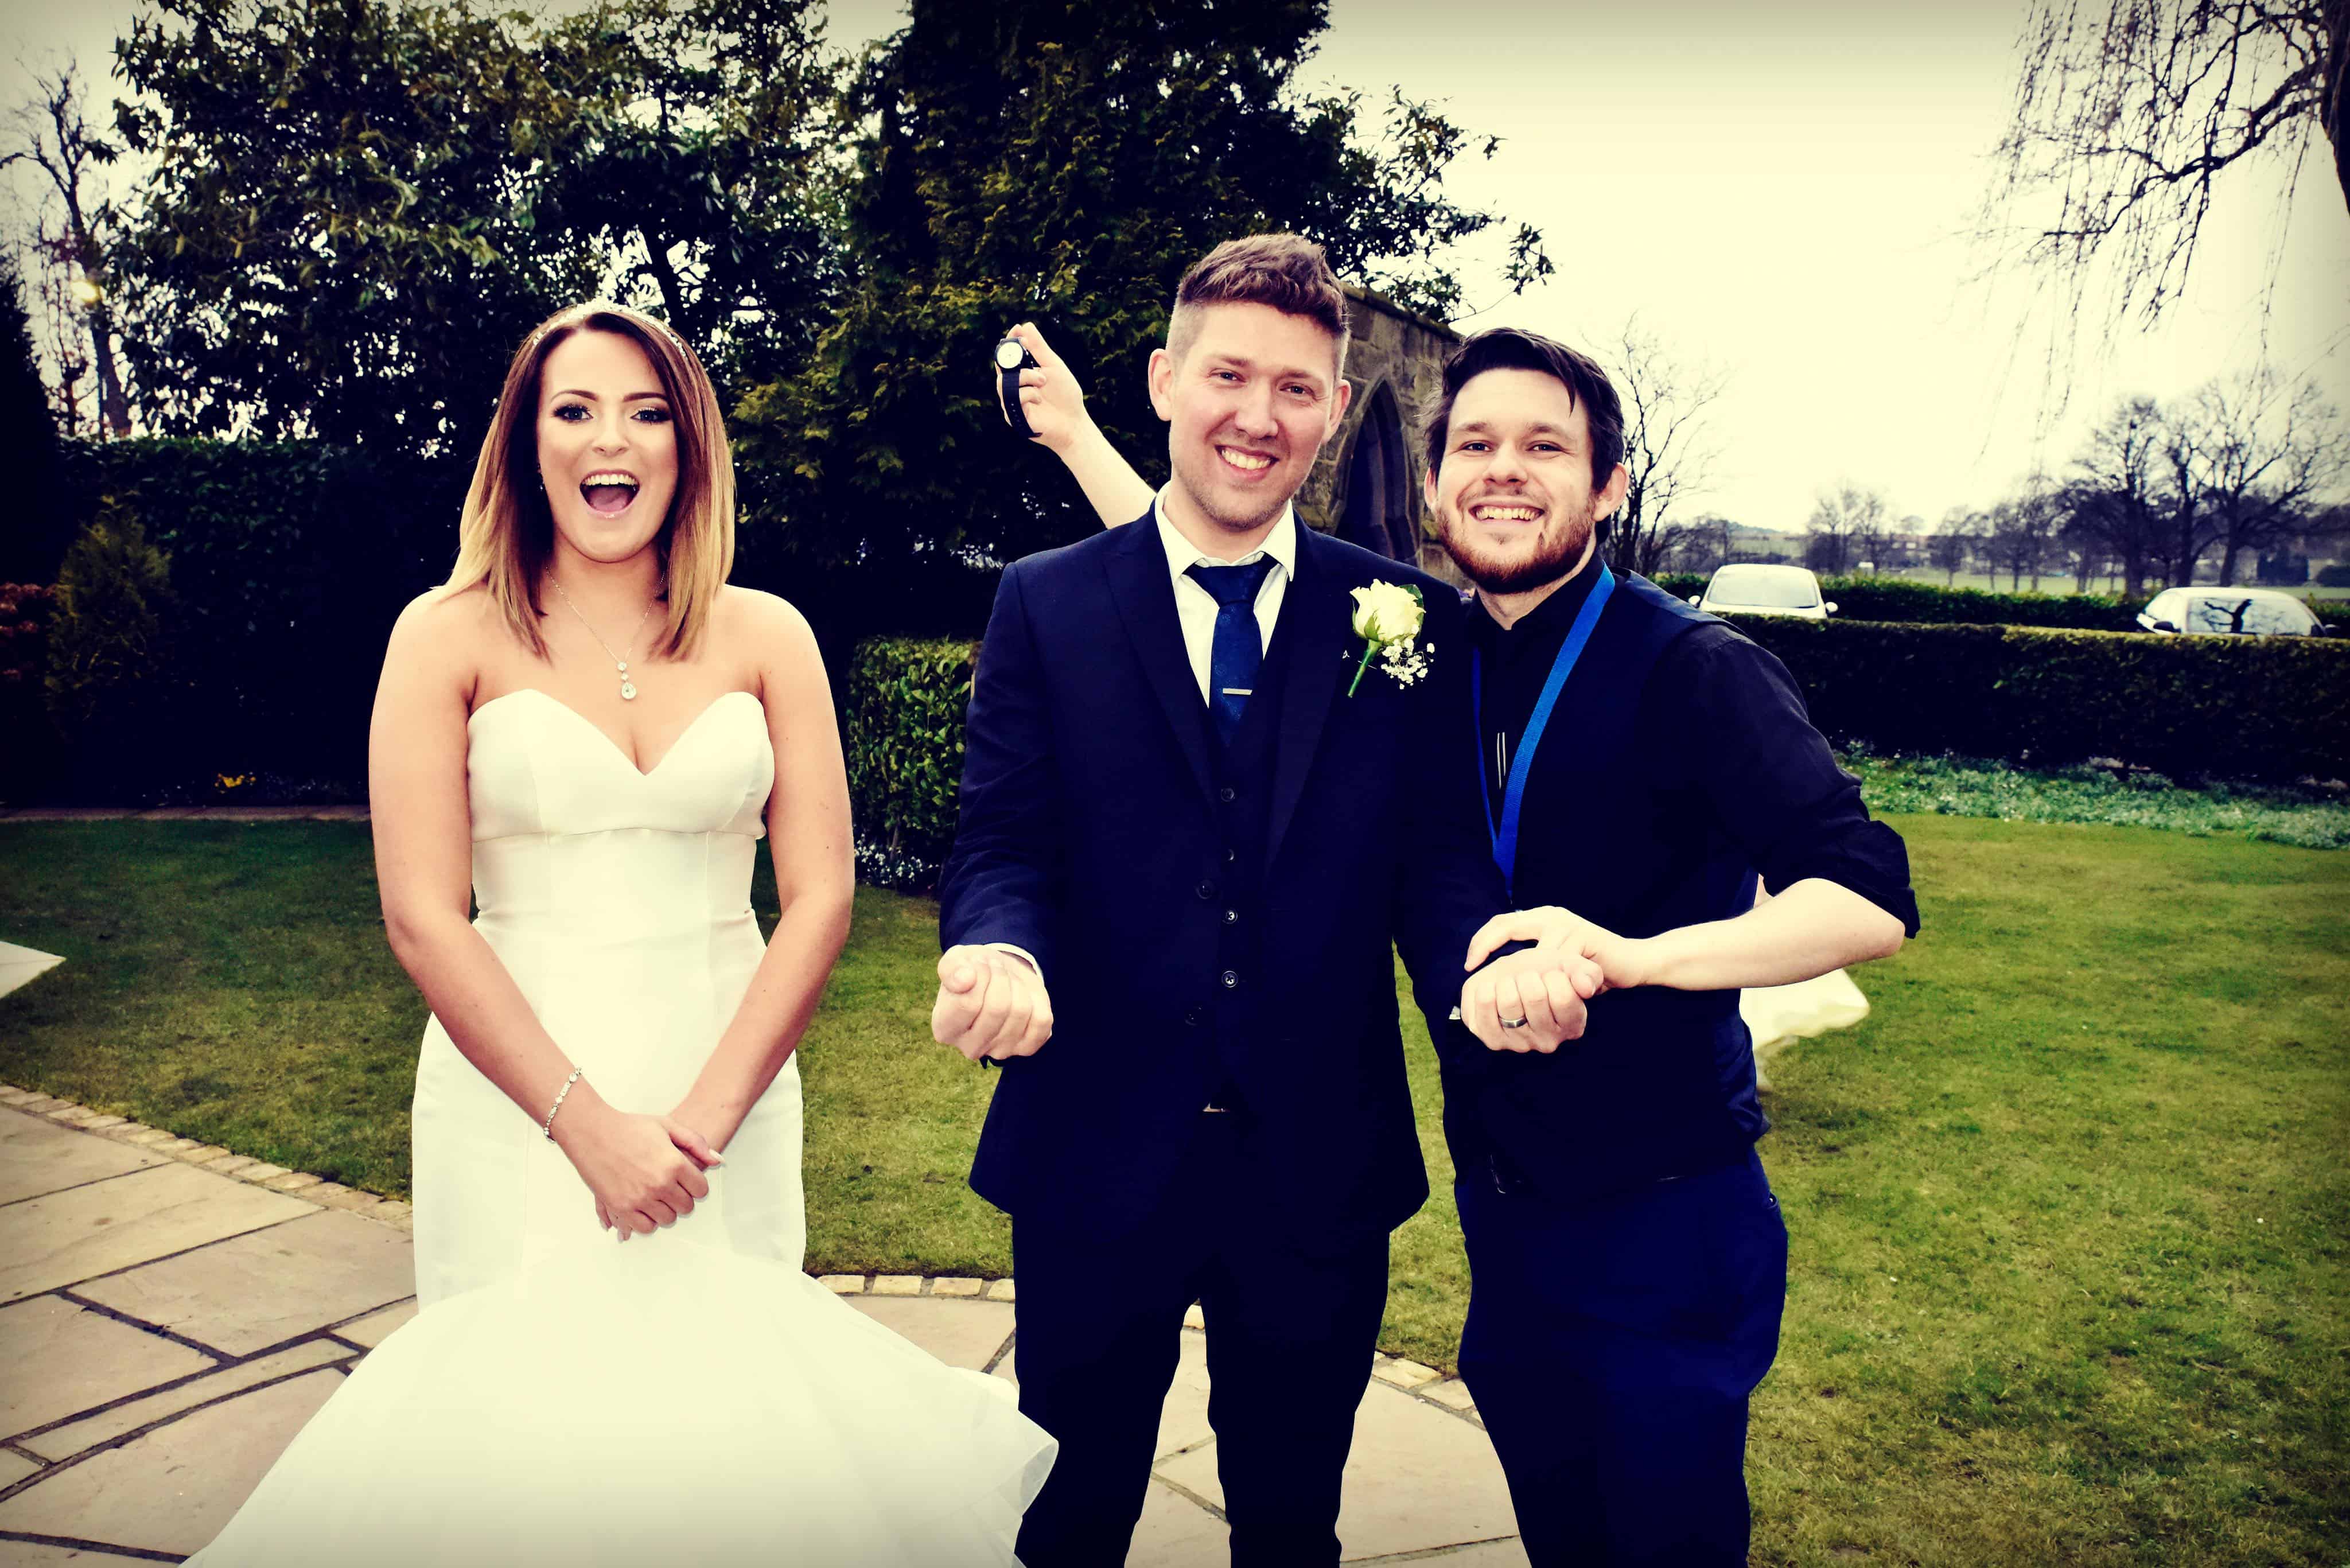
[1741,738]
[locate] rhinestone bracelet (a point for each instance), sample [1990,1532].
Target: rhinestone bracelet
[547,1126]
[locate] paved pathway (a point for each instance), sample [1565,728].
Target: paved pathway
[170,1314]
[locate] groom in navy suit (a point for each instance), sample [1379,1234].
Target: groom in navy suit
[1191,841]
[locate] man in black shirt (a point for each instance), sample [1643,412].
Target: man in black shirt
[1644,765]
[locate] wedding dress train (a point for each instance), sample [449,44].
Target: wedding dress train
[563,1399]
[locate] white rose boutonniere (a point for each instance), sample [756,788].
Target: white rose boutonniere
[1388,617]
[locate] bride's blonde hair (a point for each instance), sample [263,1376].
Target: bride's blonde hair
[507,533]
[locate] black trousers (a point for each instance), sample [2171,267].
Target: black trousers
[1290,1338]
[1611,1348]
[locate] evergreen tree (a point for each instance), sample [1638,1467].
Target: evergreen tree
[1063,161]
[32,544]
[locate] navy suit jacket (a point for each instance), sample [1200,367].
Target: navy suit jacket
[1089,836]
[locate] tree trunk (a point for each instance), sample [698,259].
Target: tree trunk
[2335,72]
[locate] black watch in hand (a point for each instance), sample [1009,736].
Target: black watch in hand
[1010,359]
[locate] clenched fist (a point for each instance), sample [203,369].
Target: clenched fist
[991,1004]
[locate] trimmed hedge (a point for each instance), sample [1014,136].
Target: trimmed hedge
[1909,602]
[2224,708]
[2217,707]
[903,728]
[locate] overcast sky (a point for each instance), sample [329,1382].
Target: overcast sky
[1784,192]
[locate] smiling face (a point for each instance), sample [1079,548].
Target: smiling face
[1513,496]
[1255,394]
[607,445]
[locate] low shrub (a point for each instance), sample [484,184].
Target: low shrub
[28,760]
[109,679]
[903,728]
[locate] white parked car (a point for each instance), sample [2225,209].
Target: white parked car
[2229,612]
[1748,588]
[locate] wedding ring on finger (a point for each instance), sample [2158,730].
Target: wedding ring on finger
[1514,1024]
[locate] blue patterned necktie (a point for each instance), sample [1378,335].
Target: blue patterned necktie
[1239,645]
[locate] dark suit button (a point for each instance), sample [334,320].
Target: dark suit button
[1195,1018]
[1226,795]
[1206,890]
[1232,979]
[1232,917]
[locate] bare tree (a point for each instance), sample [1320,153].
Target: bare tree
[1843,521]
[2022,535]
[2266,452]
[2116,494]
[55,136]
[2127,112]
[1705,543]
[1953,540]
[1667,452]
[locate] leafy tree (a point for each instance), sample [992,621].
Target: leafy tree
[1065,161]
[362,206]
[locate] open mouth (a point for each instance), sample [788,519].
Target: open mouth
[1504,511]
[1244,461]
[610,494]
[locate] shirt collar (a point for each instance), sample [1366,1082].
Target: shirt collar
[1546,624]
[1281,544]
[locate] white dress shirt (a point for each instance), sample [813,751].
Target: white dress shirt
[1195,606]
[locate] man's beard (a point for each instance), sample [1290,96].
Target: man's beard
[1555,555]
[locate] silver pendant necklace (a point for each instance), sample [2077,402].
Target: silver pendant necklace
[628,687]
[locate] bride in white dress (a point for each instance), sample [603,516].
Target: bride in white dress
[588,733]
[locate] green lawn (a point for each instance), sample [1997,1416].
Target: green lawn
[2068,1280]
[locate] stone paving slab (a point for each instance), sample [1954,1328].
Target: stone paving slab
[63,1238]
[1394,1500]
[267,1287]
[971,1335]
[13,1468]
[62,1359]
[105,1425]
[1504,1553]
[1176,1533]
[18,965]
[38,1156]
[376,1327]
[41,1554]
[173,1488]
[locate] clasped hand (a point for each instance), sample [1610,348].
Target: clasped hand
[1533,1000]
[646,1172]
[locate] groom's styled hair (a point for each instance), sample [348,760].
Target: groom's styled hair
[1287,272]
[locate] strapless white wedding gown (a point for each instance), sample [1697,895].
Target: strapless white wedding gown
[563,1399]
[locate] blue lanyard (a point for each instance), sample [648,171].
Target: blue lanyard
[1514,792]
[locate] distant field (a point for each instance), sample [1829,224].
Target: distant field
[2062,586]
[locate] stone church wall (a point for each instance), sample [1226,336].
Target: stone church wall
[1366,486]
